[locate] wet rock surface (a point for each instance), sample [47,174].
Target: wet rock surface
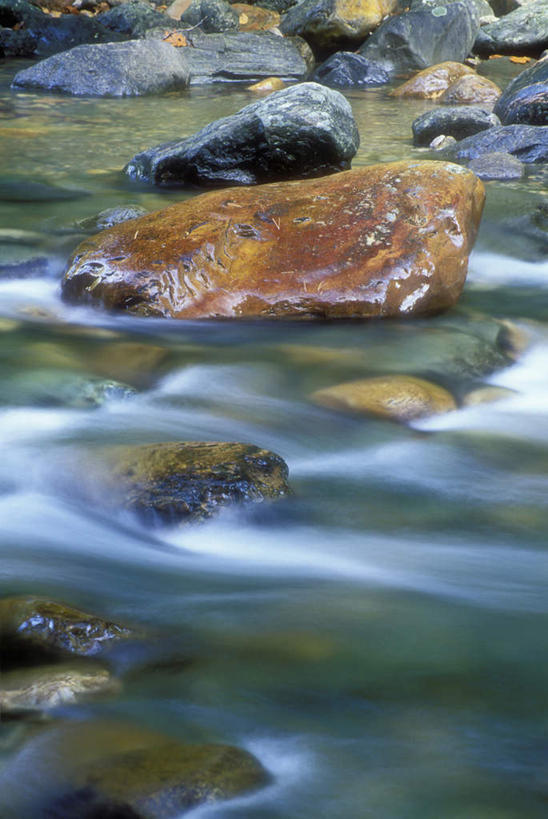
[134,19]
[334,24]
[427,36]
[431,83]
[525,98]
[385,240]
[528,143]
[497,165]
[348,70]
[523,31]
[50,686]
[172,482]
[471,90]
[82,770]
[396,397]
[212,16]
[34,627]
[458,122]
[306,130]
[110,69]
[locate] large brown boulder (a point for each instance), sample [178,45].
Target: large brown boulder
[432,82]
[386,240]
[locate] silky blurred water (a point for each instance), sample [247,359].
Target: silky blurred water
[377,639]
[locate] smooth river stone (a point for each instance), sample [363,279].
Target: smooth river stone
[432,82]
[386,240]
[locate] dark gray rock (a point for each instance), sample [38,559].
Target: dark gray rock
[483,8]
[134,19]
[212,16]
[525,99]
[55,388]
[348,70]
[458,121]
[110,70]
[49,34]
[497,166]
[281,6]
[244,57]
[417,39]
[16,43]
[305,130]
[523,31]
[529,143]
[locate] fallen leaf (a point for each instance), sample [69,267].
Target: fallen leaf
[496,56]
[175,39]
[243,19]
[520,60]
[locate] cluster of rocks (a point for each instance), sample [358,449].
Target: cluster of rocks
[55,656]
[122,50]
[494,140]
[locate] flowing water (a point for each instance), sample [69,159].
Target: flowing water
[378,639]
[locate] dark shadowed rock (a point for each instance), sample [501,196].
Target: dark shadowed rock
[525,99]
[171,482]
[212,16]
[18,43]
[110,70]
[385,240]
[305,130]
[348,70]
[459,122]
[333,24]
[112,770]
[497,166]
[48,34]
[243,56]
[417,39]
[528,143]
[31,627]
[523,31]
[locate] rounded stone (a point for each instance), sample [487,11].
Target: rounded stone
[471,90]
[51,686]
[497,166]
[395,397]
[432,82]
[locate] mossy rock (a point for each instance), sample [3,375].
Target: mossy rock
[171,482]
[32,628]
[82,770]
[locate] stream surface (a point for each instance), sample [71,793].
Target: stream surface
[378,639]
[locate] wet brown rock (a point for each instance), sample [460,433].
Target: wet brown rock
[31,627]
[471,90]
[170,482]
[102,769]
[487,395]
[255,18]
[51,686]
[129,361]
[268,85]
[432,82]
[397,397]
[386,240]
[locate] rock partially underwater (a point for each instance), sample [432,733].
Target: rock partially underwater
[386,240]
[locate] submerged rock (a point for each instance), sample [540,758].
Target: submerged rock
[497,165]
[242,56]
[523,31]
[348,70]
[525,98]
[50,686]
[172,482]
[305,130]
[528,143]
[335,24]
[432,82]
[86,770]
[110,70]
[397,397]
[110,217]
[386,240]
[34,626]
[425,36]
[458,122]
[54,388]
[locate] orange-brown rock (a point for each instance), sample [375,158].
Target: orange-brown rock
[268,85]
[385,240]
[471,90]
[333,24]
[432,82]
[255,18]
[397,397]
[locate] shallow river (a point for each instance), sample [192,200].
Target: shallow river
[378,639]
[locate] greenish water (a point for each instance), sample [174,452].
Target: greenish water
[378,639]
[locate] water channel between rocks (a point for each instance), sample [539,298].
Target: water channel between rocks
[378,638]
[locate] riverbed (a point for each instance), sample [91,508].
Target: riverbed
[376,639]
